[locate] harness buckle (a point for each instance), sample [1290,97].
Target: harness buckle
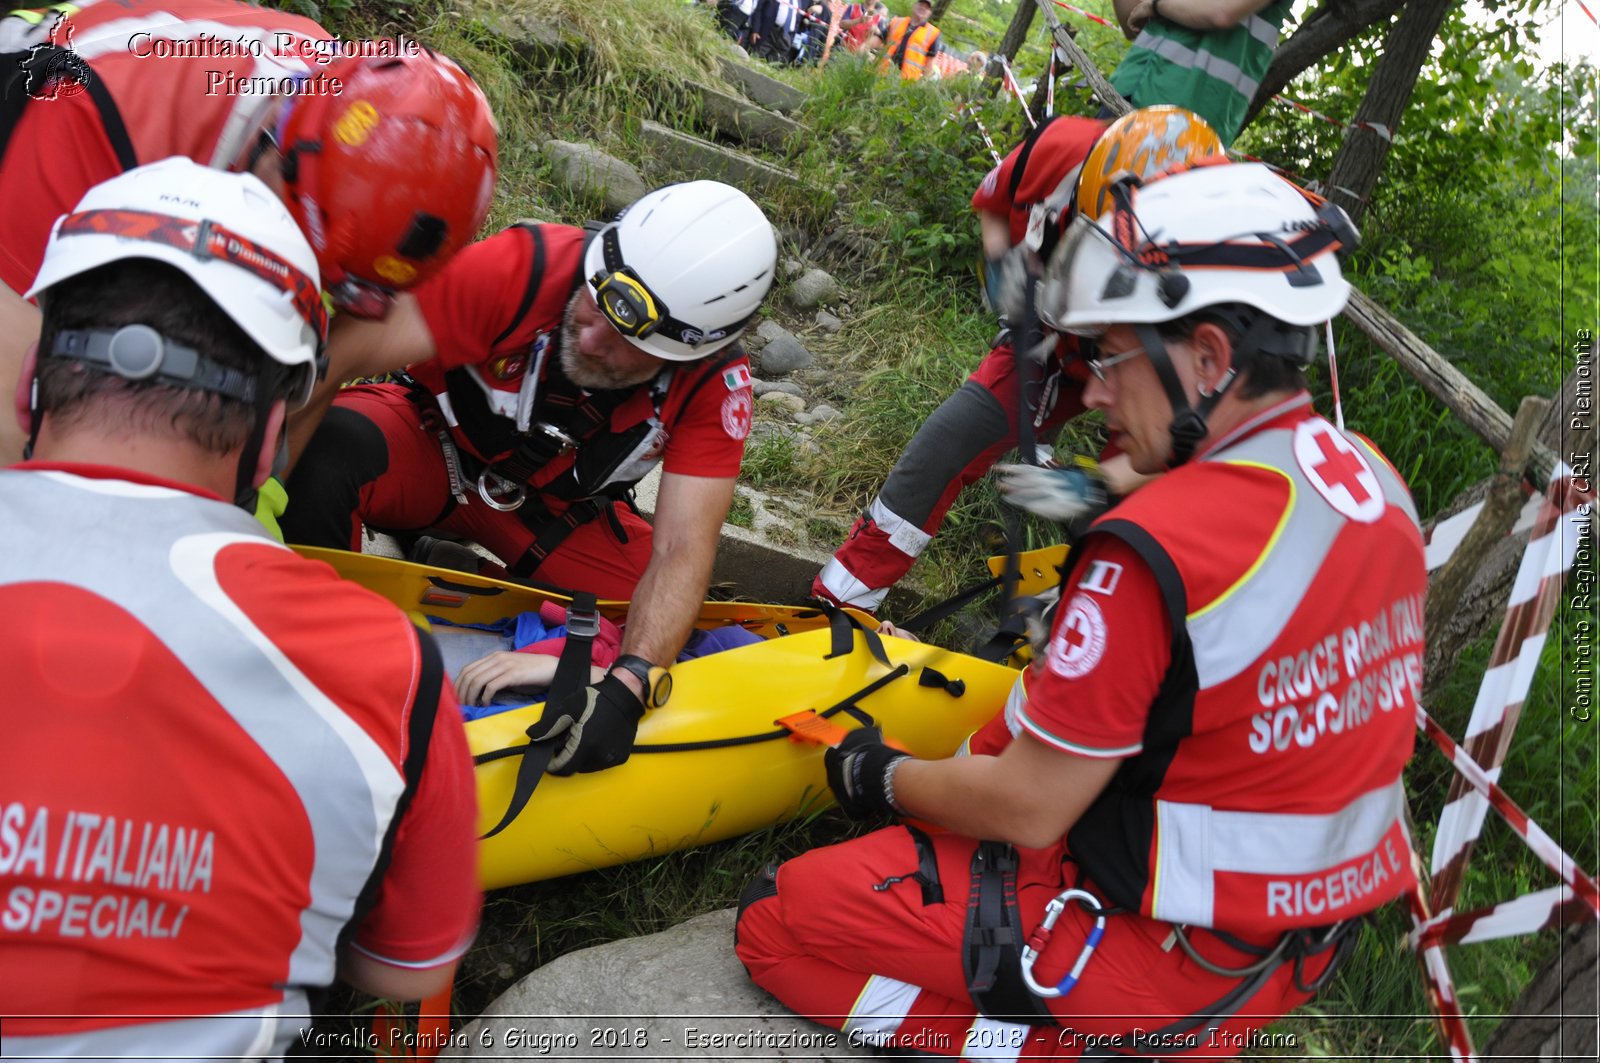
[582,625]
[1041,937]
[511,497]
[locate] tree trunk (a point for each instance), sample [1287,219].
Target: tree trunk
[1017,32]
[1554,1018]
[1332,26]
[940,8]
[1366,142]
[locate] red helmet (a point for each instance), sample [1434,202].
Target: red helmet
[393,175]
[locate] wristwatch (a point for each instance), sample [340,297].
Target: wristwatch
[656,682]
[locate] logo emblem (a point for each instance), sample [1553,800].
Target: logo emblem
[1338,471]
[357,123]
[736,414]
[1080,639]
[54,71]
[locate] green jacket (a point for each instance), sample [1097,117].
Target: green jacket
[1213,74]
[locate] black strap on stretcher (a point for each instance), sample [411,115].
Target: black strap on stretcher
[572,675]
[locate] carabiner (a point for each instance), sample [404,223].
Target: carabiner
[1041,937]
[514,498]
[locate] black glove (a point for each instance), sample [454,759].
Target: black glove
[858,773]
[599,722]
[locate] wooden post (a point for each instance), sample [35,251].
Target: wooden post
[1444,382]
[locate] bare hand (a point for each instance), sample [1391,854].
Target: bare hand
[479,682]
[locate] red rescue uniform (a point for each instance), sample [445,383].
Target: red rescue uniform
[213,747]
[183,77]
[1257,673]
[495,314]
[975,427]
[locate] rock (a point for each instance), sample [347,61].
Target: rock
[743,121]
[543,43]
[812,289]
[688,975]
[784,355]
[591,174]
[793,267]
[686,154]
[822,413]
[787,387]
[769,92]
[770,330]
[828,323]
[781,402]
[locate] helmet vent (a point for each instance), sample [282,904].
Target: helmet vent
[425,236]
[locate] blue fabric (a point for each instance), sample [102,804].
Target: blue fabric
[524,629]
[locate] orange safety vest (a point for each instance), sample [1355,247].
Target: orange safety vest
[917,49]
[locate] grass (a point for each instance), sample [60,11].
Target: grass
[882,203]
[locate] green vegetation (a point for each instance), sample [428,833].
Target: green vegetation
[1481,237]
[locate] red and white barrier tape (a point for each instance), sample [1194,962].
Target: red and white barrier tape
[1534,598]
[1016,90]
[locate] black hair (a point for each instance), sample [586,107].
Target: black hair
[1261,371]
[138,291]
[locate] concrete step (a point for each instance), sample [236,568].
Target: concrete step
[768,91]
[745,122]
[691,155]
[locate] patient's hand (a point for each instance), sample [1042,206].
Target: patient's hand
[479,682]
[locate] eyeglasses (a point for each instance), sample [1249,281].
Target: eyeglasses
[1098,366]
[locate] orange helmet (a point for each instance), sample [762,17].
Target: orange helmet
[391,176]
[1144,143]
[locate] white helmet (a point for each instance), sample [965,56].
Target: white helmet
[1215,234]
[226,231]
[681,272]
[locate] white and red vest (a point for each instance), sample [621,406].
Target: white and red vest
[207,743]
[1267,794]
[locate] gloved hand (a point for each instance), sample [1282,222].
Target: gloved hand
[1005,282]
[599,723]
[1058,494]
[858,773]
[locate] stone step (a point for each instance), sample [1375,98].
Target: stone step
[768,91]
[675,995]
[744,121]
[701,158]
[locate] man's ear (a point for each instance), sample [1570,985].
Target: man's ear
[23,398]
[1213,354]
[269,442]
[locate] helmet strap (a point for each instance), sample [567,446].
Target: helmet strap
[1188,426]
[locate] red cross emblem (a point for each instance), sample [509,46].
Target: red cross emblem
[1080,639]
[1338,471]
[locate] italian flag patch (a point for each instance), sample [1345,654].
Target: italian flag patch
[737,377]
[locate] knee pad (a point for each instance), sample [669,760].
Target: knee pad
[764,885]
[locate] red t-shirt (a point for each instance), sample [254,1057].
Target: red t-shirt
[474,300]
[195,105]
[116,751]
[1063,144]
[1109,648]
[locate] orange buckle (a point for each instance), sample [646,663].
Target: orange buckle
[807,726]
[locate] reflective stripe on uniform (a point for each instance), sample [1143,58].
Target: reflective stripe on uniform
[1195,842]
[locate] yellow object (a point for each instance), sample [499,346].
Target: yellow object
[1039,570]
[271,501]
[662,801]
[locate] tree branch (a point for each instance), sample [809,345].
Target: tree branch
[1329,28]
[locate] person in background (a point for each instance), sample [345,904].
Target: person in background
[1161,844]
[1203,55]
[268,784]
[547,372]
[1065,166]
[911,41]
[333,128]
